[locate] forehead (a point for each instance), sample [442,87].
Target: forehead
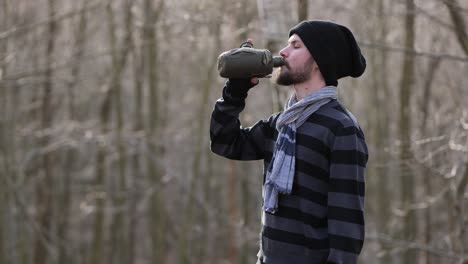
[294,38]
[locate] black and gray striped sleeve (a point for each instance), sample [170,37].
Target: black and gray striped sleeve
[228,138]
[348,158]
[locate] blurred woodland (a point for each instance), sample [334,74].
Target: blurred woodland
[104,128]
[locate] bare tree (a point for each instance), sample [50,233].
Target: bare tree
[136,162]
[4,171]
[119,248]
[158,218]
[302,8]
[70,153]
[46,178]
[460,189]
[406,174]
[379,127]
[458,22]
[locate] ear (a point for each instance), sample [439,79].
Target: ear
[316,70]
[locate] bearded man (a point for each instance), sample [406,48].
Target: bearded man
[314,151]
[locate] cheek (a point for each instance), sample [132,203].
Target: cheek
[297,62]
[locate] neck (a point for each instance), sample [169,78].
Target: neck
[304,89]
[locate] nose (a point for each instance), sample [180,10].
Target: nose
[283,52]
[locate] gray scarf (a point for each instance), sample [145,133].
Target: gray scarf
[280,172]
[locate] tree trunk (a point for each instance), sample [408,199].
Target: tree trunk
[99,195]
[459,22]
[426,174]
[302,8]
[200,144]
[70,157]
[45,183]
[119,248]
[460,212]
[459,196]
[138,119]
[406,174]
[380,131]
[233,211]
[97,249]
[4,138]
[157,223]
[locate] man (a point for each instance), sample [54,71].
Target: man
[314,152]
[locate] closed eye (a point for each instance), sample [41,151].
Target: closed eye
[295,44]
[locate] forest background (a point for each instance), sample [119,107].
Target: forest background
[104,128]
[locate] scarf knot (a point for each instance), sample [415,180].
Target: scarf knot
[280,172]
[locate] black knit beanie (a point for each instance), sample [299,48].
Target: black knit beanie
[333,47]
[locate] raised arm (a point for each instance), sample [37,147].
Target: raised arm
[228,138]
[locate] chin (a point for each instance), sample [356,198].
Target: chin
[282,77]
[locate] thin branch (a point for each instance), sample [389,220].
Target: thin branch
[459,23]
[413,52]
[70,62]
[413,245]
[427,202]
[434,18]
[56,18]
[424,141]
[456,5]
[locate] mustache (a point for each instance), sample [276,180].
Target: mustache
[286,63]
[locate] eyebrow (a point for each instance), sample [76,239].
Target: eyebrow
[295,41]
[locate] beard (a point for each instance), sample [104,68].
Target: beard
[286,76]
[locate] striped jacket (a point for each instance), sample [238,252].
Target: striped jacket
[322,220]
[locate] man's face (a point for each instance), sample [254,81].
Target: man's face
[299,62]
